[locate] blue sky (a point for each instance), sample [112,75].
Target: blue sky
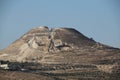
[99,19]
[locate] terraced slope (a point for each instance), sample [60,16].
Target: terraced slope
[63,53]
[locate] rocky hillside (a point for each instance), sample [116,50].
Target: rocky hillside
[41,41]
[65,53]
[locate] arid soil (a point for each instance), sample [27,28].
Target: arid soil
[62,54]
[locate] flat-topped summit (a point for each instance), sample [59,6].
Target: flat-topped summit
[42,41]
[62,53]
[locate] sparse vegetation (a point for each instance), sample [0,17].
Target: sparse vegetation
[59,54]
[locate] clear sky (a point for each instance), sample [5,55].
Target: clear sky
[99,19]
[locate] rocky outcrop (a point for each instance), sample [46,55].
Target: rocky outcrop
[55,39]
[57,45]
[64,53]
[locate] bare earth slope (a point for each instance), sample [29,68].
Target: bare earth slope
[63,53]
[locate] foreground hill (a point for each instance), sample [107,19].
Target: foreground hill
[63,53]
